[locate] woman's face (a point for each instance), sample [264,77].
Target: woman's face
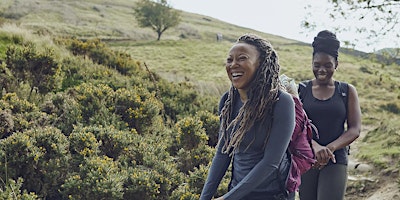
[242,64]
[323,66]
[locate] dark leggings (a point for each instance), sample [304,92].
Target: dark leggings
[326,184]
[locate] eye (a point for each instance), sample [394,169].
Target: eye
[242,58]
[229,60]
[329,66]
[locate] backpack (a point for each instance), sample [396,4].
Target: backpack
[300,147]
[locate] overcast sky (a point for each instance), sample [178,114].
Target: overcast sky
[278,17]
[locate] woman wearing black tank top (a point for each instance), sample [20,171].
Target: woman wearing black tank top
[327,110]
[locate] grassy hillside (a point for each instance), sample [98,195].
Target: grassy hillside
[189,54]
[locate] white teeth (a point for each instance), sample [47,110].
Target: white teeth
[237,74]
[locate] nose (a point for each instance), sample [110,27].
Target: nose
[233,64]
[322,69]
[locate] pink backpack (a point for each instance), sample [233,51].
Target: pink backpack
[300,147]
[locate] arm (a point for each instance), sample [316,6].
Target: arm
[280,135]
[324,153]
[219,165]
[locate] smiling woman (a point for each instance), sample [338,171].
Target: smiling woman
[248,136]
[329,107]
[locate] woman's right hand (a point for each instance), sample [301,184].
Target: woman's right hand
[323,154]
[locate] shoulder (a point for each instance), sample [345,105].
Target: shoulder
[352,89]
[224,97]
[285,98]
[347,87]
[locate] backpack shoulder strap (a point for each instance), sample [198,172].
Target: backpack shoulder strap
[343,89]
[302,89]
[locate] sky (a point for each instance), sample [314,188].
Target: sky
[283,18]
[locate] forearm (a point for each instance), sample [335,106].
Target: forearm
[345,139]
[216,172]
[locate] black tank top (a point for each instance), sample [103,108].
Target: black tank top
[329,116]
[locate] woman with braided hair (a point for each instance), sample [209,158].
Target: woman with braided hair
[329,104]
[256,124]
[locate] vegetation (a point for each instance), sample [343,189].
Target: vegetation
[159,16]
[130,119]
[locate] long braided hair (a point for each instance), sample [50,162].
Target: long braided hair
[262,95]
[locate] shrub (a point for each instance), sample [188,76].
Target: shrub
[191,133]
[82,145]
[113,142]
[39,69]
[188,160]
[16,105]
[24,114]
[147,184]
[39,156]
[137,107]
[6,79]
[12,190]
[101,54]
[53,166]
[92,98]
[6,123]
[64,112]
[97,178]
[210,125]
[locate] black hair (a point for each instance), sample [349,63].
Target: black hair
[326,42]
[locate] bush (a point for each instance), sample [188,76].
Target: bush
[210,125]
[191,133]
[6,123]
[16,105]
[92,98]
[82,145]
[64,111]
[97,178]
[183,192]
[101,54]
[137,107]
[188,160]
[147,184]
[12,190]
[39,156]
[113,142]
[39,69]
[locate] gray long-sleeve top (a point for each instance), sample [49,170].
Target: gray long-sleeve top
[254,170]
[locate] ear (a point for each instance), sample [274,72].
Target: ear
[336,65]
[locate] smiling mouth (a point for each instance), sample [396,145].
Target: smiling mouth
[236,75]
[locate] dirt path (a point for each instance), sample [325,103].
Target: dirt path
[365,182]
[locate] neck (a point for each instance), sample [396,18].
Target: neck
[243,95]
[327,83]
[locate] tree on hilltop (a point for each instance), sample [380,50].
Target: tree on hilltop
[157,15]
